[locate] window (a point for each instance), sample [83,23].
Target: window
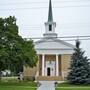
[50,27]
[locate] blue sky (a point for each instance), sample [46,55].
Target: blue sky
[71,16]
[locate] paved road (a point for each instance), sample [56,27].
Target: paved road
[46,85]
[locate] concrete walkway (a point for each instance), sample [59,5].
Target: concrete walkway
[46,85]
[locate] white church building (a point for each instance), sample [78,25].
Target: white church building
[54,55]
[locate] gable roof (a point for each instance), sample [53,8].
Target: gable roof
[53,43]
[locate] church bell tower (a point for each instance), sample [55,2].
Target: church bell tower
[50,25]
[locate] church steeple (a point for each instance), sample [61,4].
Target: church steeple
[50,15]
[50,25]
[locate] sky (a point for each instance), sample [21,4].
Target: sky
[71,16]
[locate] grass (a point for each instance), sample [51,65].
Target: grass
[16,88]
[14,84]
[73,88]
[67,86]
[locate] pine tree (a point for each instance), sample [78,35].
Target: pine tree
[80,67]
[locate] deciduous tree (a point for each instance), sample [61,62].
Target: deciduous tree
[15,52]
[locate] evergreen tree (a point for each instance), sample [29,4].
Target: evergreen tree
[80,67]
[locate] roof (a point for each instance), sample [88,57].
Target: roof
[53,43]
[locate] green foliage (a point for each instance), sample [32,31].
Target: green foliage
[30,53]
[80,67]
[15,52]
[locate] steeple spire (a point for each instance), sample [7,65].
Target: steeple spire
[50,15]
[50,25]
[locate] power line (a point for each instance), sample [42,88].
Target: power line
[62,39]
[76,39]
[82,37]
[39,28]
[35,8]
[39,25]
[64,26]
[43,2]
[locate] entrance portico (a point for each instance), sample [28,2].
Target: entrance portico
[50,65]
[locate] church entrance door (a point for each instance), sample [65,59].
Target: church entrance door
[50,68]
[48,71]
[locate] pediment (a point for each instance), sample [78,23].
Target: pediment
[52,44]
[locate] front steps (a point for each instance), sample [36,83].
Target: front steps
[49,78]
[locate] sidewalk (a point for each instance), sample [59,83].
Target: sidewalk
[47,85]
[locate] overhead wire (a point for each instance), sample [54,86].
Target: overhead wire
[66,38]
[23,3]
[53,7]
[35,8]
[64,1]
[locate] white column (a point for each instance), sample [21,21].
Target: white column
[57,72]
[43,64]
[38,65]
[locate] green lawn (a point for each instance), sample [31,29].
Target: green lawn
[14,84]
[73,88]
[66,86]
[16,88]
